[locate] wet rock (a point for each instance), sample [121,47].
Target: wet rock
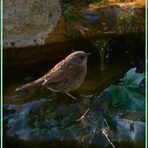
[46,119]
[18,123]
[91,15]
[101,21]
[27,23]
[128,130]
[115,18]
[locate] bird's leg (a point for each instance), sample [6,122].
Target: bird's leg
[68,94]
[65,93]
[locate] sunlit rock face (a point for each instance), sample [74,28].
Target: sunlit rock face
[28,22]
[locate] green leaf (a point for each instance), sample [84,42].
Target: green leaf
[128,92]
[116,92]
[132,78]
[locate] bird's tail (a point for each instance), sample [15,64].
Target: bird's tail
[31,84]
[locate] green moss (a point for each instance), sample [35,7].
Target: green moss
[69,14]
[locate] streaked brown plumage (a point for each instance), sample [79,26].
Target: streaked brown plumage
[64,77]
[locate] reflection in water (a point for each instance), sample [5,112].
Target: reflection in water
[101,46]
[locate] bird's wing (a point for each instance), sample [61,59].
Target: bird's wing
[61,72]
[55,74]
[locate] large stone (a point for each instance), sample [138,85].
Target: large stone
[28,22]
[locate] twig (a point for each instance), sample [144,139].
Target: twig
[106,136]
[106,123]
[83,115]
[88,109]
[105,133]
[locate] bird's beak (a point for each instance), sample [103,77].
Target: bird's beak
[89,53]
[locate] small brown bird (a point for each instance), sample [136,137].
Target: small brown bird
[64,77]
